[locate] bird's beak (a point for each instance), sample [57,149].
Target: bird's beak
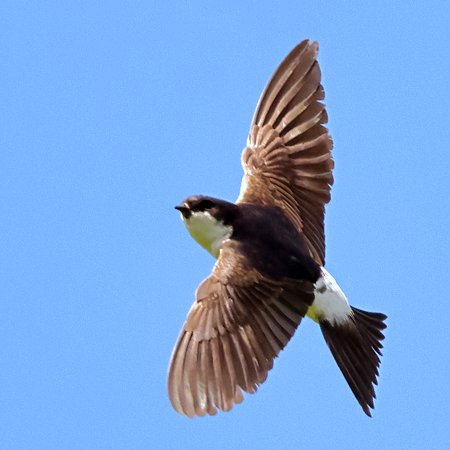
[184,210]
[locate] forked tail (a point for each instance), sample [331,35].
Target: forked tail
[356,347]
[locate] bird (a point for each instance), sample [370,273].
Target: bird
[270,251]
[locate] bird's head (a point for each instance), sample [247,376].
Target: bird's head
[209,220]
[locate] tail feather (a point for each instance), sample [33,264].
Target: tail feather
[356,347]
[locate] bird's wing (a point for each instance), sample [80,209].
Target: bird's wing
[287,161]
[237,325]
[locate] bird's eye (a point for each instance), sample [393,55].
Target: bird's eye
[205,204]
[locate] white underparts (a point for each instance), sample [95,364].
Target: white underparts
[330,303]
[209,232]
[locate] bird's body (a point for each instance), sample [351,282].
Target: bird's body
[265,236]
[273,246]
[270,249]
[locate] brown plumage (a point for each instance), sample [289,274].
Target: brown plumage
[288,160]
[238,324]
[271,257]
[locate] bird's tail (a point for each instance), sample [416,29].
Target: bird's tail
[356,347]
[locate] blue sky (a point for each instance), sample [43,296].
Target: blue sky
[111,113]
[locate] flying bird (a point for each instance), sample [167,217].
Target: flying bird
[270,253]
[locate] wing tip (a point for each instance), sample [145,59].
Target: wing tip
[306,45]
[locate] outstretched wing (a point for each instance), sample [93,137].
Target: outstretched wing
[287,161]
[237,325]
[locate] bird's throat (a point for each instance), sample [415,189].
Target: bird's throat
[208,232]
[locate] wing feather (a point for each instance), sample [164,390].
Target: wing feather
[238,324]
[287,161]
